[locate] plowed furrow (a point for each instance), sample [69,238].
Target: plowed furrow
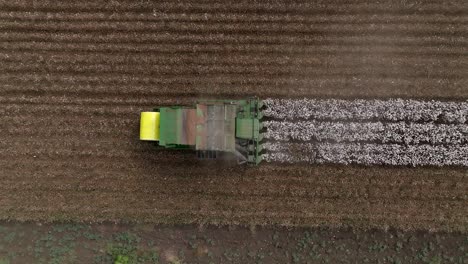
[278,48]
[233,27]
[178,217]
[336,192]
[164,201]
[232,16]
[143,71]
[296,39]
[257,79]
[220,59]
[322,176]
[308,7]
[93,99]
[232,87]
[73,111]
[242,208]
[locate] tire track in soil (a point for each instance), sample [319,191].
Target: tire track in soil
[311,213]
[316,191]
[71,98]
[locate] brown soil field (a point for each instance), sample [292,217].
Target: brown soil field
[75,75]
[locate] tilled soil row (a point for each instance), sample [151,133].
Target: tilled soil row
[222,69]
[232,16]
[218,59]
[301,7]
[372,192]
[99,205]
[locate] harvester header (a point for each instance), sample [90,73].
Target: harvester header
[213,128]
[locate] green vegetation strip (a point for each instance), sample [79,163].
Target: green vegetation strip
[132,244]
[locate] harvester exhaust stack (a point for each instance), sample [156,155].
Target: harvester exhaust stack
[213,128]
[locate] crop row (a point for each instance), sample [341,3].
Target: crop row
[398,132]
[360,109]
[367,154]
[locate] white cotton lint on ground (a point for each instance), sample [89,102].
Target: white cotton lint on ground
[368,132]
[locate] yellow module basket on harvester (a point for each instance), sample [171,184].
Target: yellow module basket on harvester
[212,128]
[149,126]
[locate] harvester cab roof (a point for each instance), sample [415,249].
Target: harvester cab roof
[213,128]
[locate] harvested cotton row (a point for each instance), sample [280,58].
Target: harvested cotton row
[399,132]
[382,110]
[366,154]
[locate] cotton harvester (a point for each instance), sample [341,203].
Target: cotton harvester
[213,128]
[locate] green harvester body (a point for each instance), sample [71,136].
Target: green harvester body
[214,128]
